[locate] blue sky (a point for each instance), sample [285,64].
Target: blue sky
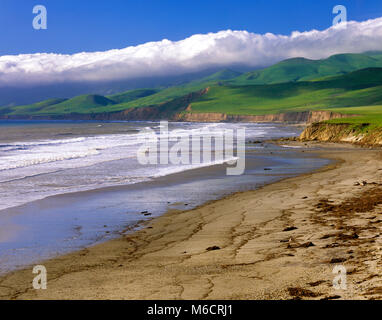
[75,26]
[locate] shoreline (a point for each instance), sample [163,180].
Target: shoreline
[232,248]
[87,204]
[68,222]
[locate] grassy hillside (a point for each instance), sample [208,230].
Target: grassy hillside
[367,115]
[301,69]
[32,108]
[363,87]
[84,103]
[171,93]
[130,99]
[132,95]
[225,74]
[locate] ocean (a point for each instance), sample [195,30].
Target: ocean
[65,185]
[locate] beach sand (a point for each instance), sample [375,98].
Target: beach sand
[278,242]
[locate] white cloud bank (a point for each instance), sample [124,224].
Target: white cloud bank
[195,53]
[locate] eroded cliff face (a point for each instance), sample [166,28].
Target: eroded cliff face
[295,117]
[362,134]
[177,111]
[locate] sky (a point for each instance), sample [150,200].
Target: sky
[90,41]
[75,26]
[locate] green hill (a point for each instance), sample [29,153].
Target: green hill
[130,99]
[301,69]
[32,108]
[81,104]
[225,74]
[132,95]
[374,54]
[363,87]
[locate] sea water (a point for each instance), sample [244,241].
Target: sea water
[66,185]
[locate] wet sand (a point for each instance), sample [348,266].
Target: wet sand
[281,241]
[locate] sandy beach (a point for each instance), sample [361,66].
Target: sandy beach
[281,241]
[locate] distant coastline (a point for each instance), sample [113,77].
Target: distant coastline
[149,114]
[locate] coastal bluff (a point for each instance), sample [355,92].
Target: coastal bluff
[362,134]
[289,117]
